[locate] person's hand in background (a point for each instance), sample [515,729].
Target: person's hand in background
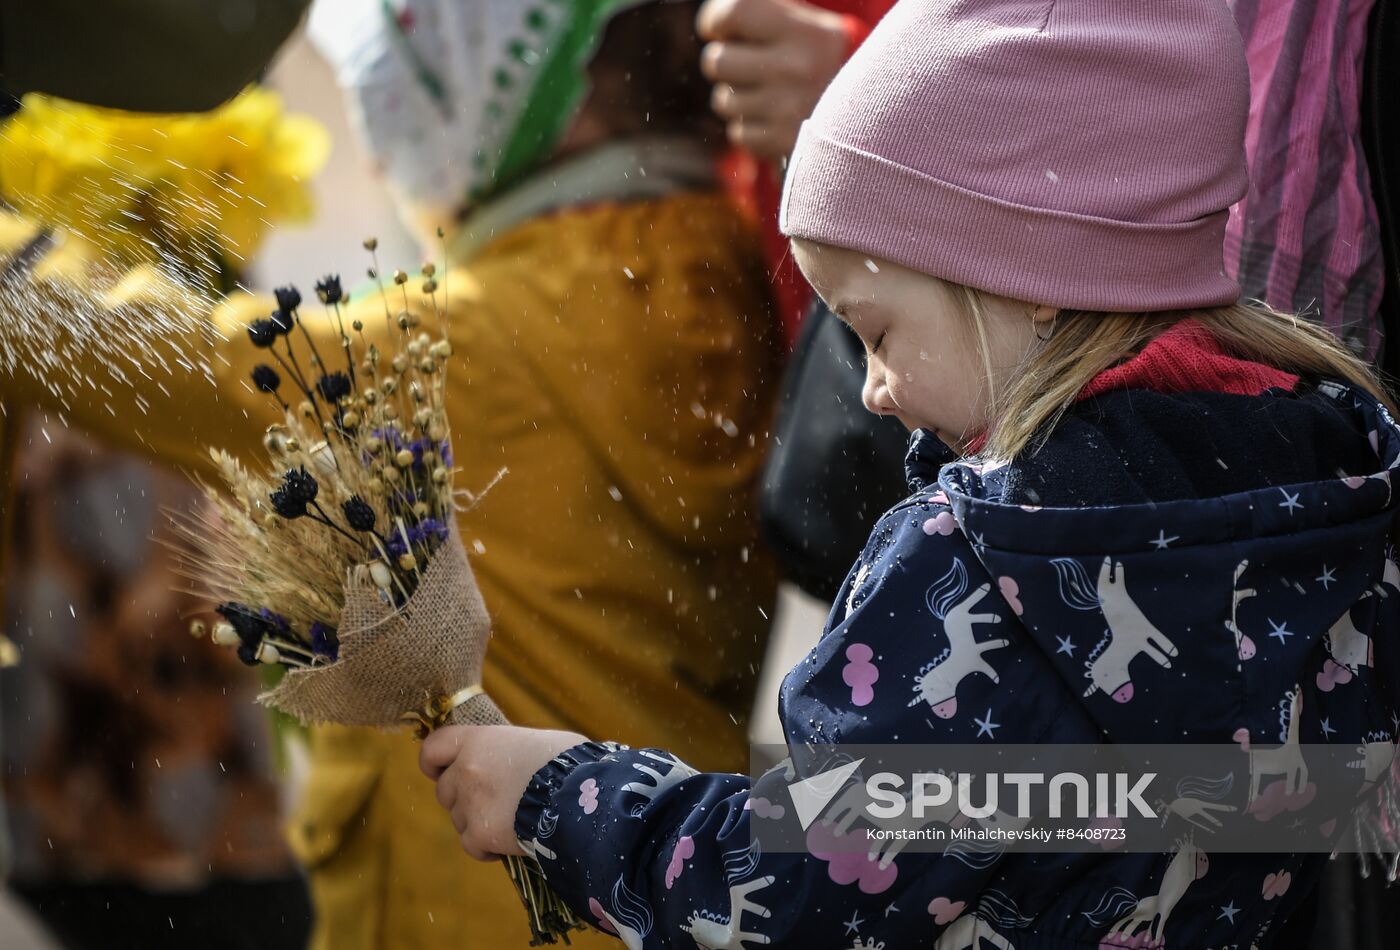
[770,60]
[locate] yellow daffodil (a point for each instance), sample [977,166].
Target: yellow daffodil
[143,188]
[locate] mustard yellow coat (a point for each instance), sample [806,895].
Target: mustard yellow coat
[616,360]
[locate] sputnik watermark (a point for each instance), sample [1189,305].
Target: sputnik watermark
[888,799]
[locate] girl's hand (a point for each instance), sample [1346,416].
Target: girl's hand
[481,772]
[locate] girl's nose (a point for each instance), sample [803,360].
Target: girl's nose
[874,394]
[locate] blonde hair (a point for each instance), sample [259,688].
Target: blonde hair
[1083,344]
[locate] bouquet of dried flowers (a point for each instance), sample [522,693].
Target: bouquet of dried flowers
[338,559]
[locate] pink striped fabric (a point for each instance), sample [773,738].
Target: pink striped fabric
[1306,237]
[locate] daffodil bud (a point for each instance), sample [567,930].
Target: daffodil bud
[379,573]
[268,654]
[224,635]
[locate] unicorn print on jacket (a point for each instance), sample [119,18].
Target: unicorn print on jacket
[937,683]
[1130,635]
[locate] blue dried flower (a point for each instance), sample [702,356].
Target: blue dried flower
[333,387]
[359,514]
[298,490]
[263,333]
[324,642]
[266,378]
[288,298]
[249,626]
[328,289]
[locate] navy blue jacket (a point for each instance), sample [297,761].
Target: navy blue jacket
[1197,568]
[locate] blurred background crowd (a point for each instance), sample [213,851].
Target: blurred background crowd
[607,175]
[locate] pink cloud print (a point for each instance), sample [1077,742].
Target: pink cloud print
[848,862]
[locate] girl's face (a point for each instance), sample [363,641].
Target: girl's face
[924,364]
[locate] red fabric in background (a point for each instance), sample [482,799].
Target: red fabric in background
[757,187]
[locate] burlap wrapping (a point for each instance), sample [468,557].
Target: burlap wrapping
[398,660]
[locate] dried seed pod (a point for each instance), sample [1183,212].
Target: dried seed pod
[400,277]
[429,286]
[407,562]
[427,367]
[420,509]
[268,654]
[429,268]
[224,635]
[404,458]
[371,395]
[198,628]
[399,364]
[371,243]
[350,420]
[323,458]
[379,573]
[440,475]
[389,385]
[374,445]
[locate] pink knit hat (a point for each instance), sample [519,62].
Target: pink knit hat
[1075,153]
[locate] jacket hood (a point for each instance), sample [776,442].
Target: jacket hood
[1250,581]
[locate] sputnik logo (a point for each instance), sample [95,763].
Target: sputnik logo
[811,795]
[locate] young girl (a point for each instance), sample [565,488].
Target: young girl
[1169,522]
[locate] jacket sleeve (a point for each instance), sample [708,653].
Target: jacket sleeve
[640,844]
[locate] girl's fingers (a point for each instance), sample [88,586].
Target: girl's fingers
[440,749]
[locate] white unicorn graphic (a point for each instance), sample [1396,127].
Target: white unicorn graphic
[720,932]
[1187,866]
[1130,635]
[630,918]
[677,772]
[937,683]
[1244,646]
[1286,760]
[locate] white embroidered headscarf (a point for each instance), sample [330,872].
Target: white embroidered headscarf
[459,98]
